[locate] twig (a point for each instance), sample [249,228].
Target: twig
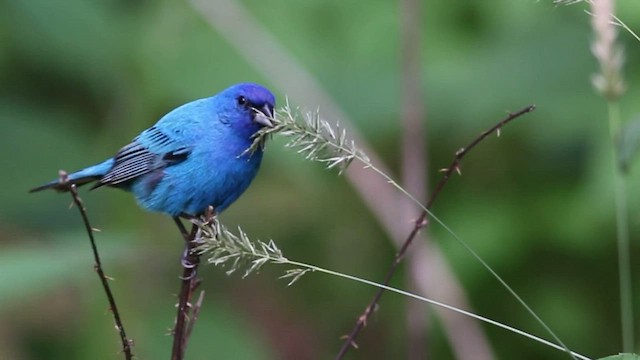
[420,223]
[126,342]
[188,314]
[189,261]
[194,314]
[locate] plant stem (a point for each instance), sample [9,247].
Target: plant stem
[308,267]
[622,234]
[126,342]
[422,221]
[437,303]
[190,260]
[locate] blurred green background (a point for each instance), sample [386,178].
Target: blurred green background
[80,78]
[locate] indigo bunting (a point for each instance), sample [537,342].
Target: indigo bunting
[192,158]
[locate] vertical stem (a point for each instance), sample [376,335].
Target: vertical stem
[104,279]
[622,234]
[189,282]
[414,159]
[422,221]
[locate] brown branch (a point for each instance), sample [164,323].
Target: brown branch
[420,223]
[189,261]
[188,314]
[126,342]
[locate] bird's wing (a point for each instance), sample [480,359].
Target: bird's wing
[150,151]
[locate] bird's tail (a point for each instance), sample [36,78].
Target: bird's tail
[79,178]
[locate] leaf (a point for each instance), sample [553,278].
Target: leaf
[628,142]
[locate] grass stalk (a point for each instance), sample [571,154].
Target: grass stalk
[622,234]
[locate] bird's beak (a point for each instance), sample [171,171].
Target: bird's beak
[262,116]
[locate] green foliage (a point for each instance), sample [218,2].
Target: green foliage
[622,357]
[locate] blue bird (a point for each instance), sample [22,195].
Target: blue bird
[192,158]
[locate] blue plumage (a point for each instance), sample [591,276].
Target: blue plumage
[192,157]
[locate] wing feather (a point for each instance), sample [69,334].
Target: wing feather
[150,151]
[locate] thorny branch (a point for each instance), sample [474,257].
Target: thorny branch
[187,313]
[126,342]
[419,224]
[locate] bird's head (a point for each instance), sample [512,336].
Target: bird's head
[249,107]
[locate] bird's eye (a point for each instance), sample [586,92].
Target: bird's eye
[242,100]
